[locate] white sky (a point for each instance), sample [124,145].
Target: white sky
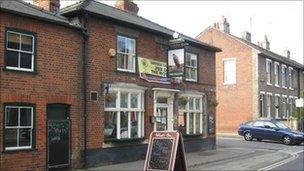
[281,21]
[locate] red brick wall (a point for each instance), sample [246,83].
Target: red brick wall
[58,80]
[102,68]
[235,101]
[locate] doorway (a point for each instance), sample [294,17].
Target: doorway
[58,135]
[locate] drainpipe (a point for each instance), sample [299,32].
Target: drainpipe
[84,75]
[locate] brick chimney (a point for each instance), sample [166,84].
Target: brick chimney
[265,43]
[127,5]
[246,36]
[50,5]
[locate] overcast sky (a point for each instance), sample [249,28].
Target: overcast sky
[281,21]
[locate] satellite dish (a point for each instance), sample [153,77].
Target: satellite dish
[175,35]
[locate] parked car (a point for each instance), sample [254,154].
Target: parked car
[270,130]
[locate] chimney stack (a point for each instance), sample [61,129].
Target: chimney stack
[265,43]
[287,53]
[50,5]
[127,5]
[224,25]
[246,36]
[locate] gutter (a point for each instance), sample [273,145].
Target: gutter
[84,75]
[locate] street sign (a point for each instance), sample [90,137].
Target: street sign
[300,102]
[165,151]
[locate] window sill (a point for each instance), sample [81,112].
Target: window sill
[269,84]
[291,88]
[126,72]
[229,84]
[114,140]
[277,85]
[284,87]
[19,150]
[19,71]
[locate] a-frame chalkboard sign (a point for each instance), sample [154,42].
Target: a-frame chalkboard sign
[165,152]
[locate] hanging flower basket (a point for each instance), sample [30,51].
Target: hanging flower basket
[183,101]
[110,97]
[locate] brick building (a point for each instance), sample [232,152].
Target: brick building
[88,84]
[252,82]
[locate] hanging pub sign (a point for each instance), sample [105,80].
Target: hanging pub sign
[176,62]
[153,71]
[165,151]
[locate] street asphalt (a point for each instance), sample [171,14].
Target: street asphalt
[234,153]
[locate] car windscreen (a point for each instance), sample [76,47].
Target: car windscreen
[281,125]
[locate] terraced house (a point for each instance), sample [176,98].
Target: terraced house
[86,85]
[252,81]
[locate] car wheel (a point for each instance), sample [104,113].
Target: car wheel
[259,139]
[286,140]
[248,136]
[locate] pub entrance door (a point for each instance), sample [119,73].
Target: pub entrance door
[58,136]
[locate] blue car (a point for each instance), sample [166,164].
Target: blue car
[270,130]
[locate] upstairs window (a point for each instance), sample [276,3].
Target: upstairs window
[126,52]
[276,73]
[20,50]
[268,71]
[290,78]
[191,67]
[229,71]
[284,76]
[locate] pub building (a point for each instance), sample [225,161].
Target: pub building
[133,76]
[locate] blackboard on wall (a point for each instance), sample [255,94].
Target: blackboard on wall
[165,151]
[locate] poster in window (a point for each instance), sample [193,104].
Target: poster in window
[176,62]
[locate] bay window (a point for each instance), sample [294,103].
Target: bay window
[191,67]
[20,48]
[126,52]
[18,127]
[124,114]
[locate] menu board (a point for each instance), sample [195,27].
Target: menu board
[165,151]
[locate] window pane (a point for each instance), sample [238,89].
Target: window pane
[25,137]
[11,117]
[110,125]
[13,40]
[121,61]
[130,46]
[188,71]
[197,103]
[188,59]
[27,43]
[121,47]
[130,62]
[191,103]
[134,124]
[197,123]
[25,60]
[193,61]
[191,123]
[134,100]
[11,138]
[193,74]
[123,124]
[12,58]
[25,117]
[110,100]
[124,100]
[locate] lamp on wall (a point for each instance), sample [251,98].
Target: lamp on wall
[112,52]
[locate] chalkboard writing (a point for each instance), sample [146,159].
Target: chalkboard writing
[161,153]
[165,151]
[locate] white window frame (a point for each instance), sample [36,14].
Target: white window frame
[20,127]
[261,115]
[118,110]
[277,74]
[277,110]
[269,71]
[284,80]
[124,53]
[232,80]
[268,104]
[196,112]
[192,67]
[290,77]
[19,51]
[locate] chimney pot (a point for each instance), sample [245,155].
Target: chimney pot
[246,36]
[50,5]
[287,53]
[127,5]
[224,25]
[265,43]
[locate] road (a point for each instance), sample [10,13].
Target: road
[293,162]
